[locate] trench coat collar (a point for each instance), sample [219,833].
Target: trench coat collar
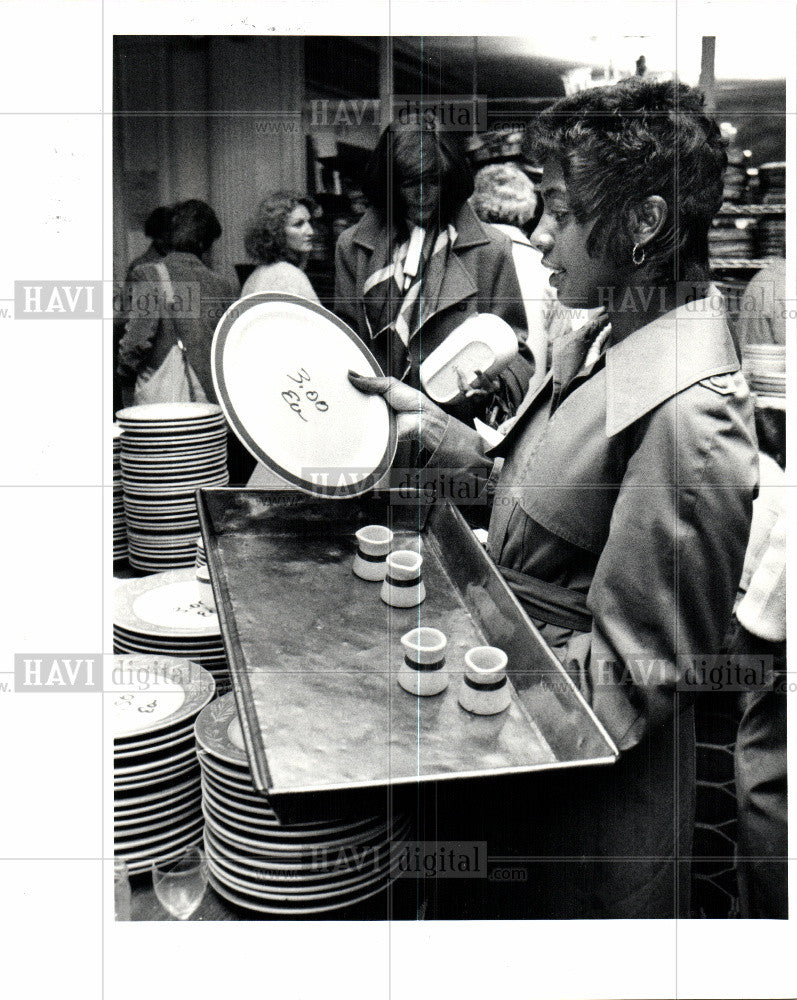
[369,232]
[657,361]
[676,350]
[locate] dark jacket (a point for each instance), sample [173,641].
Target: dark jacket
[480,278]
[200,299]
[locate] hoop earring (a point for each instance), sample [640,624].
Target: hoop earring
[641,261]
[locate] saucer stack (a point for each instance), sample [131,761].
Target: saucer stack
[772,183]
[119,526]
[730,237]
[764,366]
[157,802]
[771,237]
[169,450]
[266,866]
[163,615]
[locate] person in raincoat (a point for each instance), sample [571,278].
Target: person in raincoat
[419,264]
[622,495]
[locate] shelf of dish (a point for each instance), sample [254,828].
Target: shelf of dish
[737,264]
[752,210]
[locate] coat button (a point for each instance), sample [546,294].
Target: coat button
[723,384]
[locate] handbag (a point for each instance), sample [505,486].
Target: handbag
[175,381]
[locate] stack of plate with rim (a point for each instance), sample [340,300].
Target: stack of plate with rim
[119,526]
[266,866]
[764,366]
[772,183]
[169,450]
[730,237]
[771,237]
[162,615]
[157,802]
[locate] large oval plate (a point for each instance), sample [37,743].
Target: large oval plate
[280,366]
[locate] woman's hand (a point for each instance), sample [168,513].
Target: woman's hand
[417,417]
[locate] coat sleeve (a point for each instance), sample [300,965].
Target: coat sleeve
[347,295]
[663,591]
[135,346]
[461,462]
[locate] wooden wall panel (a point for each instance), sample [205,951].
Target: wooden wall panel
[213,118]
[255,130]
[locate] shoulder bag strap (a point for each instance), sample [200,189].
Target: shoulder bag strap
[169,297]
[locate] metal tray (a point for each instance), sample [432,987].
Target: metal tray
[314,652]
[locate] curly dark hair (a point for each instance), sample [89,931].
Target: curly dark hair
[158,223]
[617,145]
[265,240]
[425,145]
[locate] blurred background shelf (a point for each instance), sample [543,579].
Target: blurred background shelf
[753,210]
[737,264]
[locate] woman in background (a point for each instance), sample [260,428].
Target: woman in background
[280,240]
[503,196]
[152,331]
[419,263]
[158,228]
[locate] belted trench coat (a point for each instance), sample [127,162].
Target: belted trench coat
[621,514]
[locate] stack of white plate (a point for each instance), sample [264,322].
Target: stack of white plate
[162,615]
[771,237]
[119,526]
[169,450]
[765,368]
[157,802]
[266,866]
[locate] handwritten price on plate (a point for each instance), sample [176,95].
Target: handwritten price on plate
[195,609]
[294,400]
[128,701]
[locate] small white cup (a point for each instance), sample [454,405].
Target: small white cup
[485,688]
[403,585]
[373,544]
[423,670]
[204,588]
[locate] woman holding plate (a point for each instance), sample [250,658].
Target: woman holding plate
[419,263]
[622,497]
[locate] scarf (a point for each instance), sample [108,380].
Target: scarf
[401,292]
